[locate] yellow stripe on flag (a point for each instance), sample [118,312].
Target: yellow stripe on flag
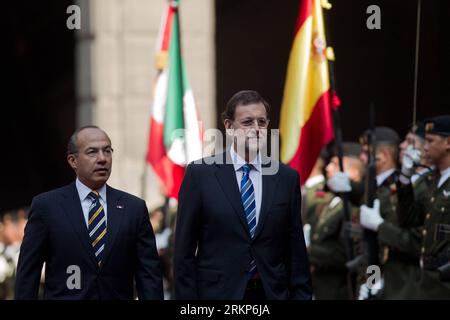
[306,81]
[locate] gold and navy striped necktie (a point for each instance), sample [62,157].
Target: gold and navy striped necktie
[97,225]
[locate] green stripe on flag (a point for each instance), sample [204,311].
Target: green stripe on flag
[173,117]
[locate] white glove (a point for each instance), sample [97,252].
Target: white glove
[410,158]
[340,182]
[370,218]
[364,290]
[307,234]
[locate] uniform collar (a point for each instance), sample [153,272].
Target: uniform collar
[311,182]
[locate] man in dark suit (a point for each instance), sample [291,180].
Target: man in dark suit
[94,240]
[238,232]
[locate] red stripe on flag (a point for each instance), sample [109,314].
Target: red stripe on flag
[167,29]
[170,173]
[316,133]
[306,7]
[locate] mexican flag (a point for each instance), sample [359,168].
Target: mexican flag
[175,131]
[306,112]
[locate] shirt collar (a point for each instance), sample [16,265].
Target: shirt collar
[83,190]
[311,182]
[445,174]
[238,162]
[383,176]
[419,173]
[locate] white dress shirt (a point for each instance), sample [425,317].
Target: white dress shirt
[383,176]
[83,192]
[419,172]
[255,177]
[445,174]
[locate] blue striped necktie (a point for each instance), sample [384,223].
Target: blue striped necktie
[249,203]
[97,226]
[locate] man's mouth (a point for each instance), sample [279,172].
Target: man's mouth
[101,170]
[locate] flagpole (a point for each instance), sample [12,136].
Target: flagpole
[416,62]
[344,196]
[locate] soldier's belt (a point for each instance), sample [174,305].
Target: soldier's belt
[442,232]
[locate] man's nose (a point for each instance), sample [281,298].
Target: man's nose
[101,156]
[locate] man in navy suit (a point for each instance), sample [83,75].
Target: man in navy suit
[95,240]
[238,232]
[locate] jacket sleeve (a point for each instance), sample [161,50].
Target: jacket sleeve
[410,210]
[186,236]
[148,273]
[406,240]
[33,253]
[300,284]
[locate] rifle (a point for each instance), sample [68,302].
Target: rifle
[371,188]
[346,225]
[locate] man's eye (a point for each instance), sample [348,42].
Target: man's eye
[247,122]
[91,152]
[262,123]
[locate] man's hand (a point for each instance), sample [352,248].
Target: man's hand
[340,182]
[370,218]
[410,159]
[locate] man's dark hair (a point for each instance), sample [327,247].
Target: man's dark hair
[243,98]
[72,145]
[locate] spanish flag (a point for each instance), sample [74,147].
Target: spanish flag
[306,111]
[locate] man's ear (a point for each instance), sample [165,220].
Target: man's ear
[72,160]
[380,155]
[228,124]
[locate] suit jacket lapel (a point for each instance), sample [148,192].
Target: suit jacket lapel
[226,176]
[72,208]
[269,184]
[116,210]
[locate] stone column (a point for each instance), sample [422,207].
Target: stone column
[116,73]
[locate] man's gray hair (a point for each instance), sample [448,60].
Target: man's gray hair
[72,146]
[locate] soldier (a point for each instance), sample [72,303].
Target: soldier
[314,195]
[398,254]
[412,152]
[328,252]
[431,211]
